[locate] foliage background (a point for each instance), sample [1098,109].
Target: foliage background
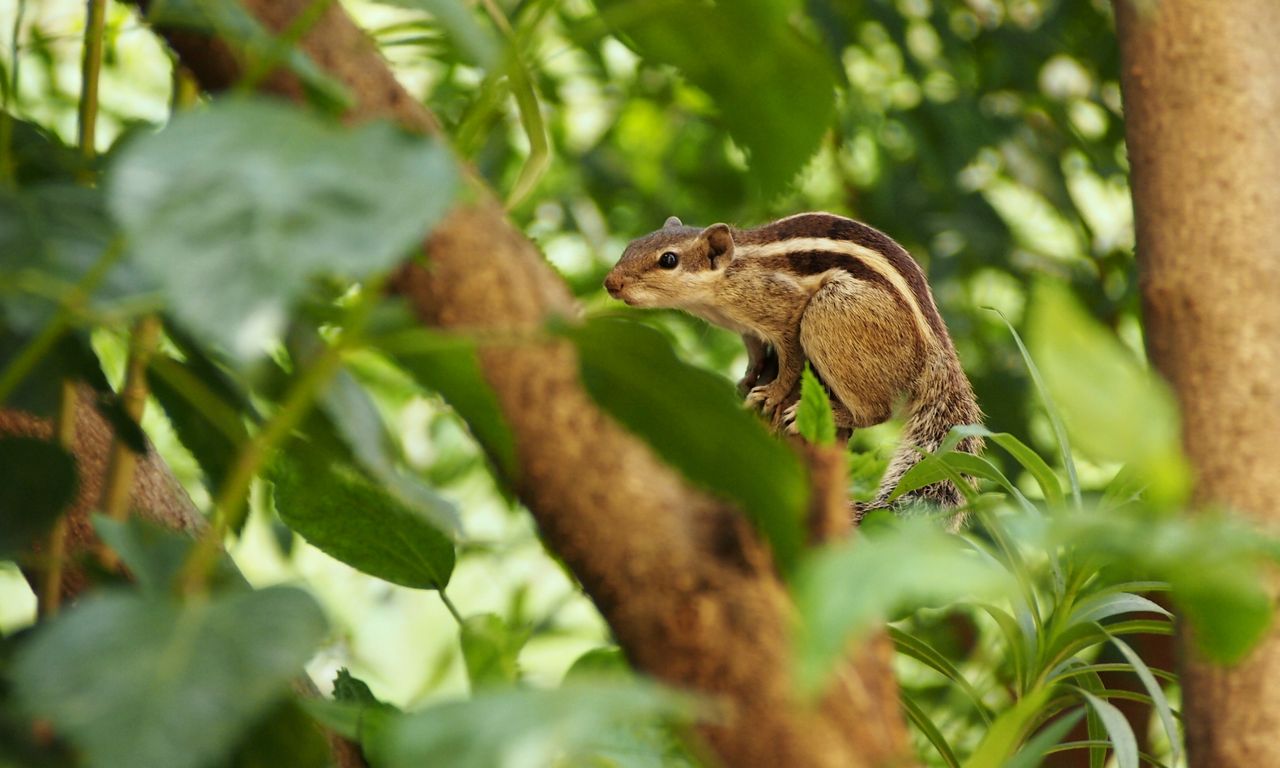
[986,136]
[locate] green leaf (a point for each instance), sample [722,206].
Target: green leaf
[814,419]
[476,41]
[1003,738]
[491,650]
[1113,604]
[53,238]
[356,419]
[1050,409]
[930,731]
[156,556]
[152,682]
[1033,754]
[533,727]
[233,208]
[1114,409]
[1158,699]
[1049,484]
[285,737]
[38,481]
[450,365]
[1123,741]
[914,565]
[693,420]
[926,654]
[760,96]
[608,662]
[340,511]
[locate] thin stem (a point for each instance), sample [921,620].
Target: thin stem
[7,166]
[118,487]
[260,67]
[453,609]
[51,585]
[90,66]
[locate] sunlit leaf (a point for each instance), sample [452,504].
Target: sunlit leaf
[813,417]
[1122,738]
[491,649]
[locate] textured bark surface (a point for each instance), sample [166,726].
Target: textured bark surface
[1202,106]
[688,589]
[157,495]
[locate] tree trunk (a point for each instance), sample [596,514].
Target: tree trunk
[1202,101]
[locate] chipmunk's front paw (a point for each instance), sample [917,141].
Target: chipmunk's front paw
[766,399]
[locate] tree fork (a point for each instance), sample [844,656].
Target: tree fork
[687,587]
[1202,122]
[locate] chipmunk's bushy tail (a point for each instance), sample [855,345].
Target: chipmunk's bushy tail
[943,399]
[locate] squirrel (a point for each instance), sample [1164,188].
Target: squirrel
[828,289]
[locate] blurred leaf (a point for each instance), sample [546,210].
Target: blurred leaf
[1029,459]
[205,423]
[341,512]
[693,420]
[528,727]
[1159,700]
[38,155]
[285,737]
[921,721]
[1114,604]
[1002,739]
[476,41]
[921,651]
[1122,739]
[597,663]
[268,196]
[155,556]
[53,238]
[1114,409]
[813,417]
[1032,755]
[126,430]
[38,481]
[152,682]
[913,565]
[760,97]
[491,650]
[450,365]
[356,419]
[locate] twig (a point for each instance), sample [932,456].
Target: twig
[65,432]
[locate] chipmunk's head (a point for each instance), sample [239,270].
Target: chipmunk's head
[674,267]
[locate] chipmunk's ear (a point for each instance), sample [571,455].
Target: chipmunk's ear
[672,221]
[719,240]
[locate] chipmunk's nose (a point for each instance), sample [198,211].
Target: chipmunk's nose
[613,284]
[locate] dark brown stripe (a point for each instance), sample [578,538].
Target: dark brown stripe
[834,227]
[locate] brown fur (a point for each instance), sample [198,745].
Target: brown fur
[831,290]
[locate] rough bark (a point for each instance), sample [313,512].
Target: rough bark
[1201,87]
[687,587]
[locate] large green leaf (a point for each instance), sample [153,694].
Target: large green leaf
[37,481]
[693,420]
[1114,409]
[153,682]
[773,89]
[913,564]
[342,512]
[232,209]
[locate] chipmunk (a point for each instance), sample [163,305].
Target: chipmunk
[828,289]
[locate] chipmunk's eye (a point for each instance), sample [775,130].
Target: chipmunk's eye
[668,260]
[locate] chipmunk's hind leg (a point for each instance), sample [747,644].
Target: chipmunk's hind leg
[862,340]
